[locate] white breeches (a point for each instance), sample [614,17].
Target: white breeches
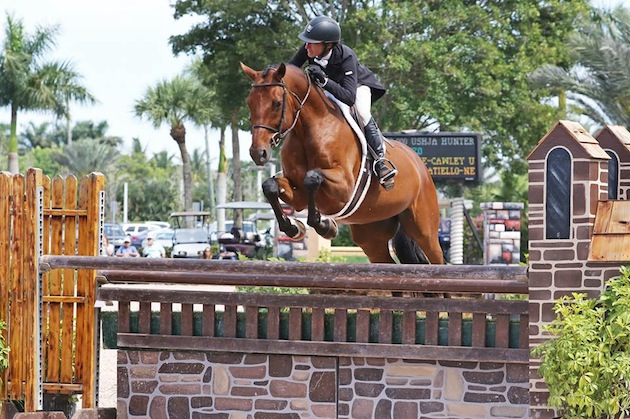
[363,103]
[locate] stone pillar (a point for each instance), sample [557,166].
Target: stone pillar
[502,232]
[456,255]
[558,266]
[315,244]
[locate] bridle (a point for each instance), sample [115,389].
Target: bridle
[278,135]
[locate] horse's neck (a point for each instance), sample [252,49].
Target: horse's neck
[319,115]
[322,123]
[320,110]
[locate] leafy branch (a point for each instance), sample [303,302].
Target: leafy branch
[587,365]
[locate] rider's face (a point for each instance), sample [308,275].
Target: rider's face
[314,50]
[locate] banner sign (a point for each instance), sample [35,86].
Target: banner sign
[449,156]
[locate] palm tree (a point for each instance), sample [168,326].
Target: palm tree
[29,82]
[162,160]
[91,129]
[175,102]
[88,155]
[68,89]
[599,82]
[37,136]
[137,149]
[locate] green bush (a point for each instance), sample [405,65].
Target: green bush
[587,365]
[343,238]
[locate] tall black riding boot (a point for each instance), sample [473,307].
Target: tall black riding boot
[375,141]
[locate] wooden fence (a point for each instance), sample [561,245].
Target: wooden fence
[52,324]
[296,323]
[50,315]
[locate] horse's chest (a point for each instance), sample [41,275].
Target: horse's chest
[295,166]
[295,176]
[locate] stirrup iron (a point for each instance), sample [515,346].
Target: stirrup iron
[387,180]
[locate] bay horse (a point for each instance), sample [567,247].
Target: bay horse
[321,163]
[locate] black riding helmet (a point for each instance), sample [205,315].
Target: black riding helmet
[321,29]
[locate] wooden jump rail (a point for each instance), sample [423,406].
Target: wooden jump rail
[384,277]
[363,325]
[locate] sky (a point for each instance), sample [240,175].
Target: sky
[121,48]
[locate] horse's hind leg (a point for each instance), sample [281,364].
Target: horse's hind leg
[374,239]
[422,227]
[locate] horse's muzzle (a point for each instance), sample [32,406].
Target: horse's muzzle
[260,156]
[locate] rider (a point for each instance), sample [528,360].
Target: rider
[334,66]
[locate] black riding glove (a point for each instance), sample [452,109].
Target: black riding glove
[317,75]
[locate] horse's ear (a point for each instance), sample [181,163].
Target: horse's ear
[280,72]
[251,73]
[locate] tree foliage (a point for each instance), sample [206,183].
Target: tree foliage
[254,32]
[87,155]
[599,82]
[449,64]
[44,147]
[456,65]
[28,81]
[48,134]
[44,159]
[153,186]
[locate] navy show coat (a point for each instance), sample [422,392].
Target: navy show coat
[344,74]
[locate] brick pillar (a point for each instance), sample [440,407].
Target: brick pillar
[558,267]
[502,232]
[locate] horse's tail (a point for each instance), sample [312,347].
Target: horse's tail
[407,250]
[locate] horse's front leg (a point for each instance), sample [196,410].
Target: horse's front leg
[288,225]
[325,227]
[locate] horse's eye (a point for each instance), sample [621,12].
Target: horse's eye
[276,105]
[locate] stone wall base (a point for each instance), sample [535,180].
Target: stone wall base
[197,384]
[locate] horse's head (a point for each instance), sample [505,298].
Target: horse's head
[274,108]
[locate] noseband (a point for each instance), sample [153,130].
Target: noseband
[278,135]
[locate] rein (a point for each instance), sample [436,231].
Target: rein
[278,135]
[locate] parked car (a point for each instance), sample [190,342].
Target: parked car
[138,239]
[163,236]
[136,228]
[160,224]
[189,242]
[190,234]
[115,234]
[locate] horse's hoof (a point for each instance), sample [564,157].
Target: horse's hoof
[301,233]
[331,229]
